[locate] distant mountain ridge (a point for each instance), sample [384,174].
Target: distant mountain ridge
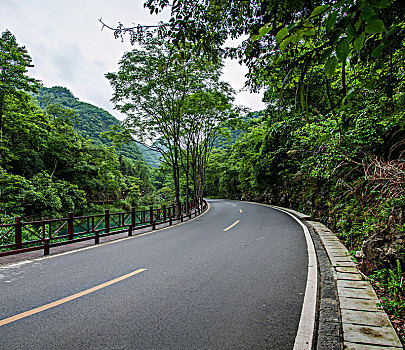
[93,121]
[223,142]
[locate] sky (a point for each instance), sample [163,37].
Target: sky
[68,47]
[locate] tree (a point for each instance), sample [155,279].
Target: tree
[14,61]
[289,38]
[207,114]
[154,87]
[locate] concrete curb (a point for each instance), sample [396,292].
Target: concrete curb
[364,324]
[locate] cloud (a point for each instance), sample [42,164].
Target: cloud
[68,48]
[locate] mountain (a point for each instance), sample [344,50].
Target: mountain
[93,121]
[223,142]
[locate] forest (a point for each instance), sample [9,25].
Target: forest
[54,158]
[330,142]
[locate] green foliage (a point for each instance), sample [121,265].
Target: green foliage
[175,101]
[390,284]
[14,61]
[47,168]
[93,123]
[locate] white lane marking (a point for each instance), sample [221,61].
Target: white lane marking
[24,262]
[306,327]
[229,227]
[240,210]
[234,205]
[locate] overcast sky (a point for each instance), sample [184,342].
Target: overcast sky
[68,48]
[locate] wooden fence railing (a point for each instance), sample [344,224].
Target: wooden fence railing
[20,237]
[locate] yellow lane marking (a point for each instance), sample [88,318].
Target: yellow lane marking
[229,227]
[241,210]
[69,298]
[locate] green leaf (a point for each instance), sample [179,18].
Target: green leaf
[361,4]
[325,54]
[367,13]
[382,4]
[351,32]
[302,98]
[300,33]
[318,10]
[281,34]
[377,51]
[375,26]
[357,24]
[294,39]
[309,32]
[359,42]
[264,30]
[330,66]
[284,43]
[392,31]
[330,22]
[342,50]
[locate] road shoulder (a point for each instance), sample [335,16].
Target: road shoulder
[349,315]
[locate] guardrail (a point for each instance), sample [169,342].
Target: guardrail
[21,237]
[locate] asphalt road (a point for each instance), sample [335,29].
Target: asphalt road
[203,288]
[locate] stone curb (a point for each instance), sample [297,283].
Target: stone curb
[364,323]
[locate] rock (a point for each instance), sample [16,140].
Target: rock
[386,246]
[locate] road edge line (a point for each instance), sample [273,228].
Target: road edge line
[306,328]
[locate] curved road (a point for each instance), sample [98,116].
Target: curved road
[210,283]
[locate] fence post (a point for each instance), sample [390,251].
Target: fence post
[173,210]
[97,238]
[151,215]
[164,212]
[133,216]
[130,230]
[170,216]
[70,225]
[107,220]
[18,233]
[46,246]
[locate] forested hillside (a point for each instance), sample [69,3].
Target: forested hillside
[47,168]
[230,135]
[91,122]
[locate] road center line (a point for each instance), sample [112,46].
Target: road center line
[229,227]
[69,298]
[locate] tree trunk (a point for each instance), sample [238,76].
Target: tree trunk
[1,116]
[176,180]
